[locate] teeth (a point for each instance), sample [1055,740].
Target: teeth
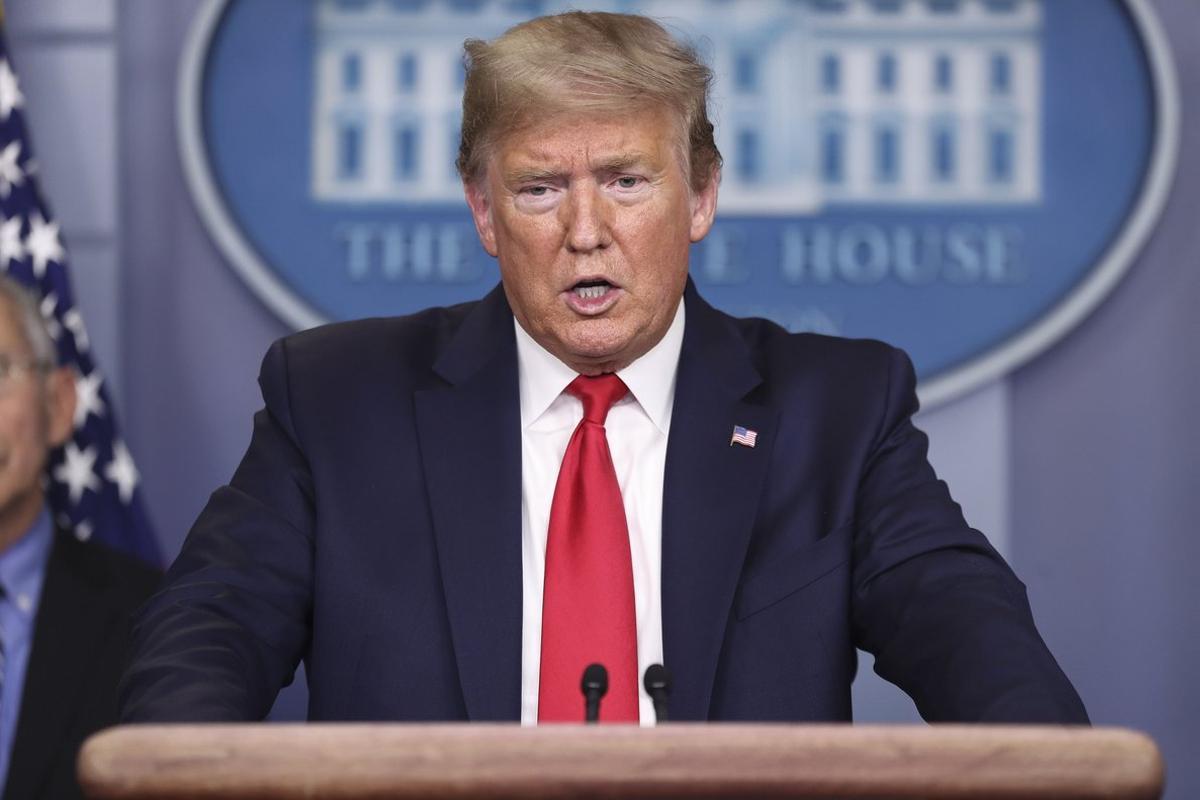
[590,292]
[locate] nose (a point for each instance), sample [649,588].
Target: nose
[586,220]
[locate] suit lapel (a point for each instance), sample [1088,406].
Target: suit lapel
[72,626]
[710,496]
[470,435]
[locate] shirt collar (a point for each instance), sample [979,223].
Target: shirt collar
[651,378]
[23,565]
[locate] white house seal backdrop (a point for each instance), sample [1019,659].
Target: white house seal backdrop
[965,179]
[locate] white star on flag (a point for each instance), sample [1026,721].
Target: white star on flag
[122,471]
[12,246]
[87,394]
[10,171]
[48,306]
[76,471]
[10,91]
[73,321]
[43,244]
[83,531]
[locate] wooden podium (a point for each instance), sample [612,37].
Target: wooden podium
[678,760]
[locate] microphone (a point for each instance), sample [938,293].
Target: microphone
[658,685]
[594,686]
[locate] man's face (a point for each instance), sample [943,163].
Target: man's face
[591,217]
[36,414]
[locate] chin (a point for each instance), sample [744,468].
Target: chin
[597,347]
[592,360]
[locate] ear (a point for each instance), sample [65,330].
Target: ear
[60,405]
[704,207]
[481,211]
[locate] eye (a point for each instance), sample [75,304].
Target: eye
[628,182]
[535,191]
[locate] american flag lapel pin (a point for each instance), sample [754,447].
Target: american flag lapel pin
[743,436]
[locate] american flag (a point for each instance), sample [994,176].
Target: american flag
[743,436]
[93,483]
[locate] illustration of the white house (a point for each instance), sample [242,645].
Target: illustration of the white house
[817,102]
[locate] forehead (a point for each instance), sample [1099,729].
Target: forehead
[589,139]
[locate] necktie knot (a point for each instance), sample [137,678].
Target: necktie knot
[598,395]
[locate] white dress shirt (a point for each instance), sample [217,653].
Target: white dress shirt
[637,428]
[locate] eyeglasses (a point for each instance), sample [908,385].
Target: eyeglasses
[13,369]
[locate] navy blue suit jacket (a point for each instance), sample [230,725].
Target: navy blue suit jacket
[80,647]
[373,529]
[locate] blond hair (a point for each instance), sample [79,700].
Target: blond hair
[584,62]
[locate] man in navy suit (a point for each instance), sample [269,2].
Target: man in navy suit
[64,604]
[400,507]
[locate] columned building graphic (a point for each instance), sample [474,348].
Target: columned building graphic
[817,102]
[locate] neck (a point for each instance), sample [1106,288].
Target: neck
[18,517]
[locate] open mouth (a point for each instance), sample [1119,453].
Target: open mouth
[591,290]
[592,296]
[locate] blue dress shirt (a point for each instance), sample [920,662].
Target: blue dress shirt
[22,570]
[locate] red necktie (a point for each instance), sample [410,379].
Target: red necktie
[587,600]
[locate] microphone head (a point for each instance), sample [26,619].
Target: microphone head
[657,679]
[595,679]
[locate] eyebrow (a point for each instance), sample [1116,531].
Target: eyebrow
[623,161]
[531,175]
[616,163]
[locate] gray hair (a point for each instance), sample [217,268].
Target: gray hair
[29,312]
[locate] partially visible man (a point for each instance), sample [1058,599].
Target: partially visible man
[449,515]
[64,604]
